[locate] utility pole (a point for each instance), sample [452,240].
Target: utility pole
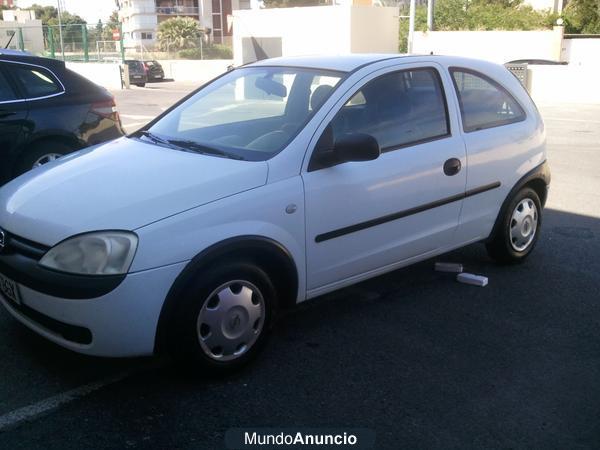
[62,44]
[411,26]
[430,6]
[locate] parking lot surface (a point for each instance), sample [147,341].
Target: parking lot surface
[420,359]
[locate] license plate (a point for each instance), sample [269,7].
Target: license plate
[9,289]
[137,76]
[157,76]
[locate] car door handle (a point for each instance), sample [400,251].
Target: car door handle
[452,166]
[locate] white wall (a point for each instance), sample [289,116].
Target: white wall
[196,71]
[33,37]
[568,84]
[374,30]
[320,29]
[107,75]
[582,52]
[496,46]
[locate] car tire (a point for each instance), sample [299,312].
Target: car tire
[222,319]
[517,229]
[140,84]
[41,153]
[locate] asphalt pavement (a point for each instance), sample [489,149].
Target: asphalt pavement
[420,359]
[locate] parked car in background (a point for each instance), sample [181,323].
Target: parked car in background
[47,111]
[138,74]
[193,233]
[154,71]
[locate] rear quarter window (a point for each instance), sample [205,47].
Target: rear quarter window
[484,103]
[36,81]
[7,93]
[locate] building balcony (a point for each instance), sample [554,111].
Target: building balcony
[178,10]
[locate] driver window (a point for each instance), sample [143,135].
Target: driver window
[398,109]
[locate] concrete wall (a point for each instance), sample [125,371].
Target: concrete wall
[374,30]
[196,71]
[319,29]
[568,84]
[107,75]
[581,51]
[33,36]
[496,46]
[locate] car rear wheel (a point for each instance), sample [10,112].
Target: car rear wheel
[42,153]
[222,319]
[140,84]
[518,228]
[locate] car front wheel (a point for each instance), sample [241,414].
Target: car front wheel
[518,229]
[222,319]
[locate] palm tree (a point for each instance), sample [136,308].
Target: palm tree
[179,33]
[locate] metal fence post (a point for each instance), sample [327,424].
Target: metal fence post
[21,41]
[51,42]
[84,34]
[411,25]
[122,42]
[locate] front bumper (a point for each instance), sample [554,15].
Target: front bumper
[121,323]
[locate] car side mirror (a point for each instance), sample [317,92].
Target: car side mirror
[347,148]
[356,147]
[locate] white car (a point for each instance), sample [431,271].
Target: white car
[277,182]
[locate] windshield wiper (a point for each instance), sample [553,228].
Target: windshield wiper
[199,148]
[154,138]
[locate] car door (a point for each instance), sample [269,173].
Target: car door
[366,216]
[13,116]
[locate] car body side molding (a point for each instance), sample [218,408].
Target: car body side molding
[405,213]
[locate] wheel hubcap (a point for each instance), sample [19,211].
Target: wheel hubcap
[523,224]
[231,320]
[46,159]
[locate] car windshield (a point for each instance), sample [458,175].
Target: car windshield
[250,113]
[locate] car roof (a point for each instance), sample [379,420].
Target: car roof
[342,63]
[30,59]
[10,51]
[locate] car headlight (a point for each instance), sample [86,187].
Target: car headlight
[97,253]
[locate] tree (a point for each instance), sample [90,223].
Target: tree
[451,15]
[582,16]
[179,33]
[44,13]
[110,26]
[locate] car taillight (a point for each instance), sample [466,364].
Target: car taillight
[107,108]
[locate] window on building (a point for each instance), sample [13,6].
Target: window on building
[146,35]
[483,102]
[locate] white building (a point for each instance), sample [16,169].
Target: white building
[312,30]
[140,18]
[21,28]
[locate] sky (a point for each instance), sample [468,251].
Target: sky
[90,10]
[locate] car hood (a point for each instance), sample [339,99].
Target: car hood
[123,185]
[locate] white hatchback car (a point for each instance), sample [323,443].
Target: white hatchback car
[277,182]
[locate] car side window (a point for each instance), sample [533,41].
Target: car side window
[7,93]
[398,109]
[483,102]
[36,81]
